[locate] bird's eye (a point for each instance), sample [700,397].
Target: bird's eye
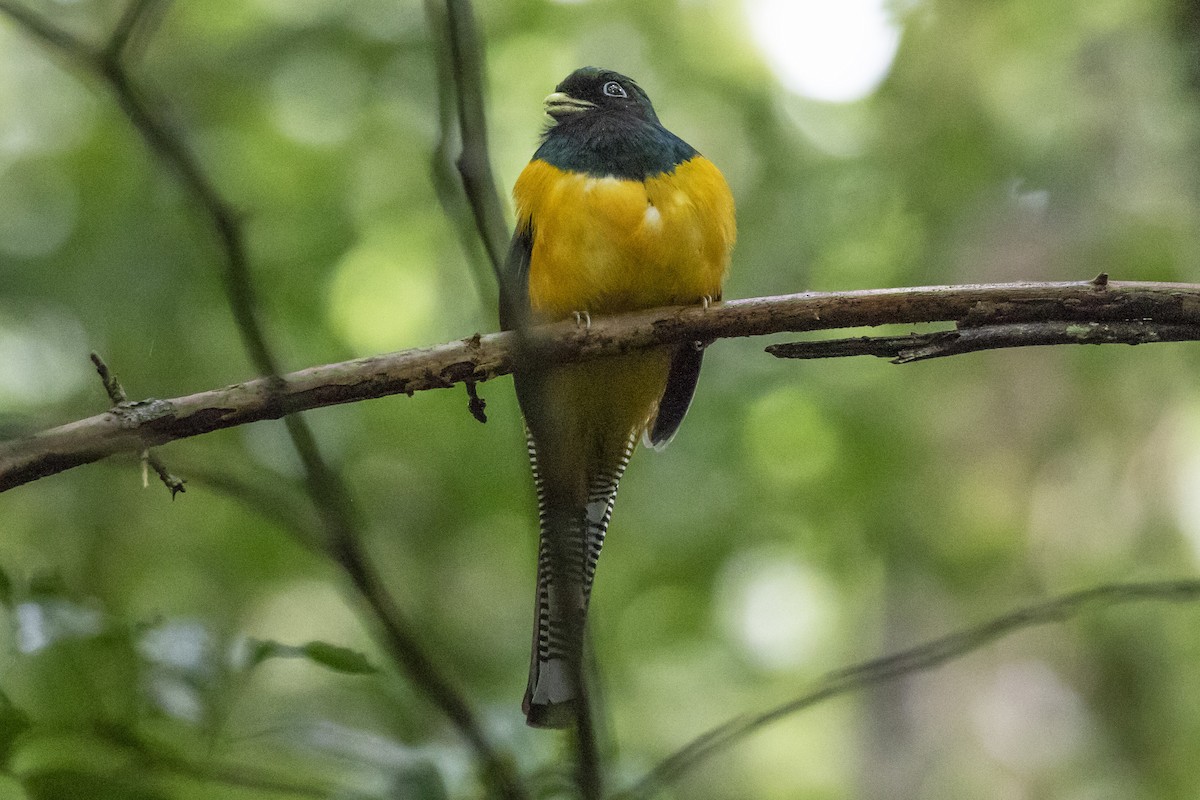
[614,89]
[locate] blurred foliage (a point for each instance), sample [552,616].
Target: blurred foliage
[809,515]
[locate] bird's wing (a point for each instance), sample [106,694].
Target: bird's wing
[514,288]
[681,385]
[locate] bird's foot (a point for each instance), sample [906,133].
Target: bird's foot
[582,320]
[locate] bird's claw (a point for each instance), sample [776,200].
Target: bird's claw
[583,319]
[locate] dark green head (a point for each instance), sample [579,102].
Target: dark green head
[604,124]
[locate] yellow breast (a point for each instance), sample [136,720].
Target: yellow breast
[605,245]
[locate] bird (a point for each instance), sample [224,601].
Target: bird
[614,213]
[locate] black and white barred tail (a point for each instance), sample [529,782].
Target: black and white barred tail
[571,539]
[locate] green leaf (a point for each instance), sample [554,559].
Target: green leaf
[330,656]
[339,659]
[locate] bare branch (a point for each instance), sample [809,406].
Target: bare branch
[474,163]
[134,19]
[447,181]
[51,35]
[922,346]
[918,659]
[112,386]
[148,423]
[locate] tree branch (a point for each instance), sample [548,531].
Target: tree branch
[922,346]
[474,163]
[918,659]
[133,20]
[49,34]
[148,423]
[447,181]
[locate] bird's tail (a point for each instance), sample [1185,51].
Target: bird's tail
[569,548]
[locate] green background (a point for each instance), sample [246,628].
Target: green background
[808,516]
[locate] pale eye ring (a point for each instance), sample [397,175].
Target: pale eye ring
[614,89]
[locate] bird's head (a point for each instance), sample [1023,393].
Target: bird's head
[589,91]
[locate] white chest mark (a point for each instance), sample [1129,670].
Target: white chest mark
[652,219]
[591,184]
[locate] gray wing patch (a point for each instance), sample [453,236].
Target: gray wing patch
[681,386]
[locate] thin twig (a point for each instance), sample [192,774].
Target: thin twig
[132,20]
[589,772]
[474,164]
[918,659]
[116,394]
[48,33]
[938,344]
[112,386]
[447,181]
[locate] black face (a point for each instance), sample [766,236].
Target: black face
[605,126]
[608,91]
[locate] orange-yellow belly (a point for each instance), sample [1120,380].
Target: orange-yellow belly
[603,245]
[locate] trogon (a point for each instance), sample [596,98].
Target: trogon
[614,213]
